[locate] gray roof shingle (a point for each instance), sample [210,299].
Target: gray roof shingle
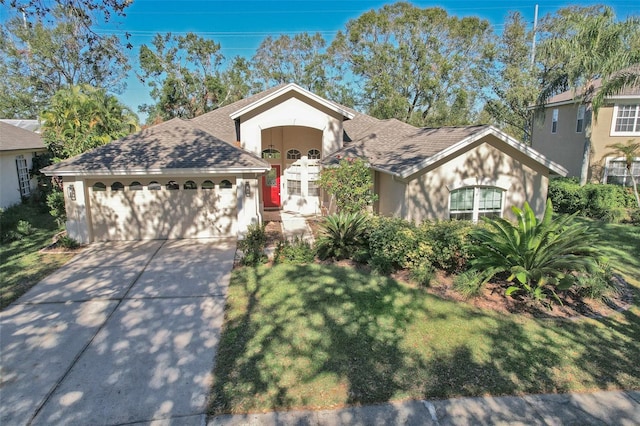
[174,144]
[14,138]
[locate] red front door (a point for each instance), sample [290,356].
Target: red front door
[271,187]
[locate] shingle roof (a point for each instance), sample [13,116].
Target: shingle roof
[14,138]
[174,144]
[394,146]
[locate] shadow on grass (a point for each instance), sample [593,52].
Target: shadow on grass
[316,336]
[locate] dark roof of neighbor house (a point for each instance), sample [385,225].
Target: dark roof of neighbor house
[174,144]
[13,138]
[569,95]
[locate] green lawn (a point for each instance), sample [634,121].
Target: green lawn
[315,336]
[22,266]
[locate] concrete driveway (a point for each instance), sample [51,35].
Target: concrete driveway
[126,332]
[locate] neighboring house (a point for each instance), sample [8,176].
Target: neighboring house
[561,132]
[216,174]
[17,149]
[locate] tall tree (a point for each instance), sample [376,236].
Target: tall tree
[417,65]
[38,58]
[82,117]
[513,80]
[183,73]
[580,45]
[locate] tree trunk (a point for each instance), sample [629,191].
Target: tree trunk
[635,187]
[586,153]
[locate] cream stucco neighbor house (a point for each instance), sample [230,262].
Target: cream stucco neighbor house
[561,131]
[18,146]
[216,174]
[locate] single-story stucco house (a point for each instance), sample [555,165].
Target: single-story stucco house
[216,174]
[18,146]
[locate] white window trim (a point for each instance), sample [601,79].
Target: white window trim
[554,120]
[580,117]
[24,180]
[615,117]
[476,201]
[605,175]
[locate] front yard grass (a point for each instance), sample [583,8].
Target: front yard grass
[22,265]
[317,336]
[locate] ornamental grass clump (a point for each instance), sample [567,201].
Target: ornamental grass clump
[540,257]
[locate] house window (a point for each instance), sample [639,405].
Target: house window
[207,184]
[293,154]
[225,184]
[313,189]
[23,176]
[117,186]
[190,185]
[172,185]
[294,187]
[135,186]
[471,203]
[154,186]
[616,172]
[580,119]
[626,120]
[99,186]
[554,121]
[313,154]
[270,153]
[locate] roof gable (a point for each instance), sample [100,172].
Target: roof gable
[13,138]
[176,145]
[289,89]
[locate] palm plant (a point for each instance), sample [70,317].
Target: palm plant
[343,234]
[629,152]
[540,256]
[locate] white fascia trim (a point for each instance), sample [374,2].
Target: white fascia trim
[530,152]
[624,97]
[291,87]
[158,172]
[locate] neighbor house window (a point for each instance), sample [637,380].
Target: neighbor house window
[99,186]
[554,121]
[270,153]
[616,172]
[225,184]
[580,119]
[626,120]
[117,186]
[135,186]
[293,154]
[23,176]
[294,187]
[207,184]
[313,154]
[313,189]
[154,186]
[172,185]
[190,185]
[471,203]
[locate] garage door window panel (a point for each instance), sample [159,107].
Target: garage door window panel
[226,184]
[207,184]
[172,185]
[190,185]
[154,186]
[99,187]
[135,186]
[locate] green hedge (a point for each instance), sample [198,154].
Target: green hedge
[597,201]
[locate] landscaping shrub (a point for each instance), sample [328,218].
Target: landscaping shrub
[67,242]
[597,201]
[55,201]
[253,245]
[350,185]
[469,283]
[422,273]
[294,252]
[597,284]
[540,255]
[634,217]
[395,243]
[342,236]
[449,243]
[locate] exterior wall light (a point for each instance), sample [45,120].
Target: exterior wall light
[247,189]
[72,192]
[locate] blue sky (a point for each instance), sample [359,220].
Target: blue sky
[240,25]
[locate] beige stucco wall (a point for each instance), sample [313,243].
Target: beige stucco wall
[291,110]
[488,162]
[291,137]
[391,193]
[9,186]
[566,146]
[159,214]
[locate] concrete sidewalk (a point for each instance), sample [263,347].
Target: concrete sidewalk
[295,226]
[598,408]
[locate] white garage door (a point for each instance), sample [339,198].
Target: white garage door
[130,209]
